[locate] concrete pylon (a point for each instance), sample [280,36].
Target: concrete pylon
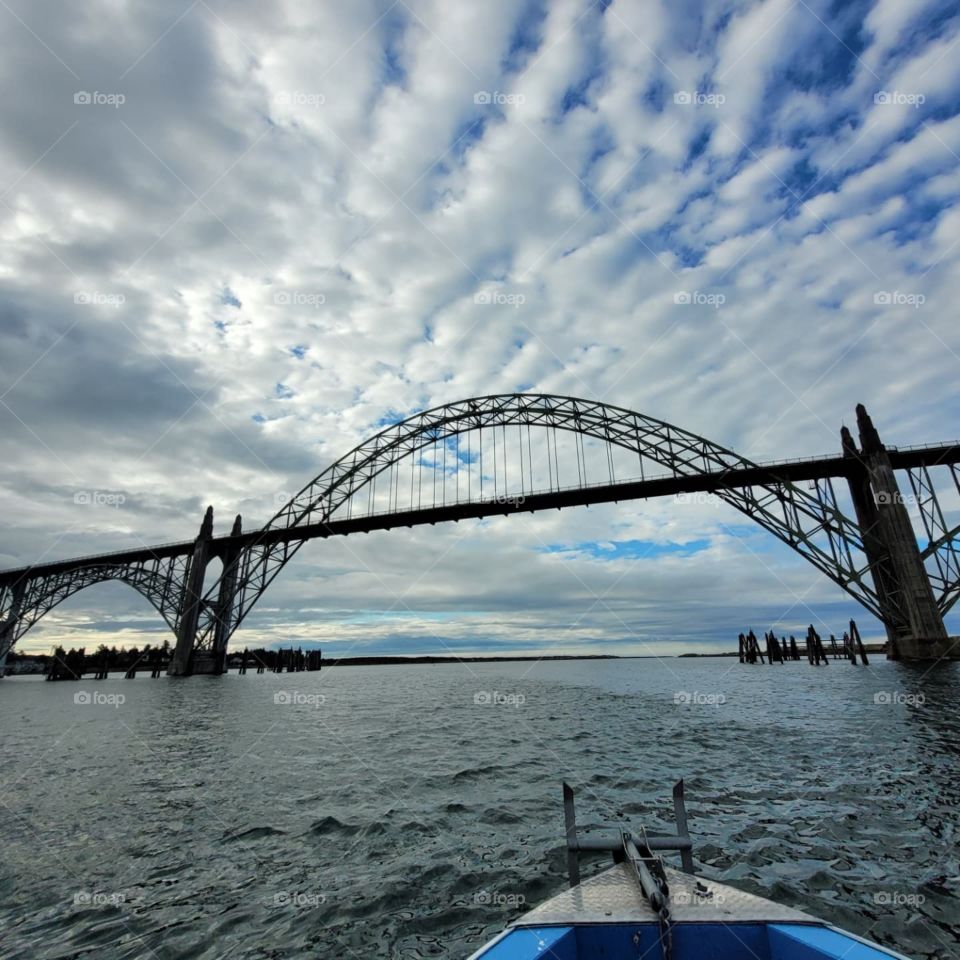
[874,546]
[225,599]
[8,626]
[914,625]
[181,663]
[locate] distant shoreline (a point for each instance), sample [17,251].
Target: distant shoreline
[430,658]
[34,663]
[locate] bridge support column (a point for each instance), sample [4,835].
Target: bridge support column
[225,600]
[8,626]
[181,663]
[914,624]
[874,546]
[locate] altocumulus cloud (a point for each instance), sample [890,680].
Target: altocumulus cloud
[239,236]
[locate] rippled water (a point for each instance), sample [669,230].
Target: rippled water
[384,812]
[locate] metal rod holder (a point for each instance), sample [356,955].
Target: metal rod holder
[619,842]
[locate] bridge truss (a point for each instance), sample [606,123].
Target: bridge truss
[506,454]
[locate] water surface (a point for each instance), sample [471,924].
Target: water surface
[411,811]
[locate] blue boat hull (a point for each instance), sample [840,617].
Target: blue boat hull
[607,916]
[693,941]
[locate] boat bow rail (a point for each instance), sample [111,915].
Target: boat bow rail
[640,908]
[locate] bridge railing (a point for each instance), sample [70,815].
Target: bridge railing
[90,558]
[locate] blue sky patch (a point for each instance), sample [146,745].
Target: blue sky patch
[230,299]
[630,549]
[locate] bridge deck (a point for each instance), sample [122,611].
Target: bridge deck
[786,471]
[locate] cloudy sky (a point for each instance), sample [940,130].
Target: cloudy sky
[238,236]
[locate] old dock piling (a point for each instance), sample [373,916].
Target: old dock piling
[781,649]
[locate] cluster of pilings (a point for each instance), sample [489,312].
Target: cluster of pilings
[779,650]
[74,664]
[66,665]
[278,661]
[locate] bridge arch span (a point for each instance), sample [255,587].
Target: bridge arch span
[432,442]
[41,595]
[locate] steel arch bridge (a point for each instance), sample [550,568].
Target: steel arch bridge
[513,453]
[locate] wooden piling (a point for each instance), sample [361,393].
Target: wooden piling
[821,652]
[855,636]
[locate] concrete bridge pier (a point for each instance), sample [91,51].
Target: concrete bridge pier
[8,626]
[225,600]
[6,642]
[914,624]
[874,546]
[181,663]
